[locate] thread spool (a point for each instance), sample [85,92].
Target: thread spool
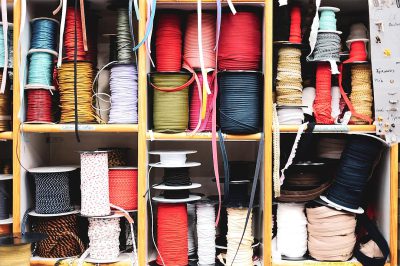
[168,42]
[361,96]
[104,238]
[356,165]
[191,55]
[191,209]
[322,103]
[172,242]
[240,110]
[236,221]
[62,236]
[124,42]
[288,80]
[123,187]
[195,105]
[16,255]
[292,230]
[41,64]
[170,101]
[84,92]
[295,25]
[331,234]
[94,184]
[39,106]
[52,194]
[239,46]
[206,233]
[5,199]
[9,45]
[44,32]
[124,95]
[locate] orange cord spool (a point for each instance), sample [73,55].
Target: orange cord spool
[123,183]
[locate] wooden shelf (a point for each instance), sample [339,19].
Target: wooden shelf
[7,135]
[332,128]
[60,128]
[319,263]
[200,136]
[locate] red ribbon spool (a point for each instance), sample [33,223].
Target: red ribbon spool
[39,105]
[295,25]
[358,52]
[322,103]
[123,184]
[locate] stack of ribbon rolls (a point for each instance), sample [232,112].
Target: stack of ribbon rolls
[288,83]
[53,213]
[5,200]
[172,216]
[41,57]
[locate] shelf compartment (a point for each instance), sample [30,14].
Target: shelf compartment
[331,128]
[200,136]
[65,128]
[7,135]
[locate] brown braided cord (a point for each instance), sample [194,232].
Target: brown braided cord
[62,241]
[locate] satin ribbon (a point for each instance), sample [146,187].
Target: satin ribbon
[149,26]
[5,34]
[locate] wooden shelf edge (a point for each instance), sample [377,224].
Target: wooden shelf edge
[332,128]
[200,136]
[7,135]
[65,128]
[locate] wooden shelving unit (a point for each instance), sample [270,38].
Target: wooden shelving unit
[144,139]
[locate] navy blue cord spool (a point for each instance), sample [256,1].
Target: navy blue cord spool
[240,104]
[357,164]
[44,34]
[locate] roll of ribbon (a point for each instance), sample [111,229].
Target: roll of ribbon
[104,238]
[123,183]
[94,184]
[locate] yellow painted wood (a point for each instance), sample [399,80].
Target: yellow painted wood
[59,128]
[7,135]
[142,143]
[268,81]
[394,185]
[16,122]
[199,136]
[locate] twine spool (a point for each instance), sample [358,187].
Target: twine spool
[15,255]
[94,184]
[39,106]
[62,236]
[170,101]
[236,221]
[104,238]
[361,96]
[331,234]
[292,230]
[172,234]
[44,33]
[123,183]
[52,194]
[288,80]
[84,92]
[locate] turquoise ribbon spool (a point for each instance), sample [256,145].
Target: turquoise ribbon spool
[10,46]
[41,68]
[327,20]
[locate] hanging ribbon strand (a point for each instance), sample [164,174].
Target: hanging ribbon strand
[240,42]
[168,42]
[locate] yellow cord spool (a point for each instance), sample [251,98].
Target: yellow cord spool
[171,101]
[18,255]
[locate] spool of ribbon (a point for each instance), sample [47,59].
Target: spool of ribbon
[327,20]
[295,25]
[5,199]
[323,98]
[357,43]
[123,183]
[290,115]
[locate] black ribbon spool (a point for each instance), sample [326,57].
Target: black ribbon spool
[176,194]
[356,166]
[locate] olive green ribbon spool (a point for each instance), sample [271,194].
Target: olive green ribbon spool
[171,101]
